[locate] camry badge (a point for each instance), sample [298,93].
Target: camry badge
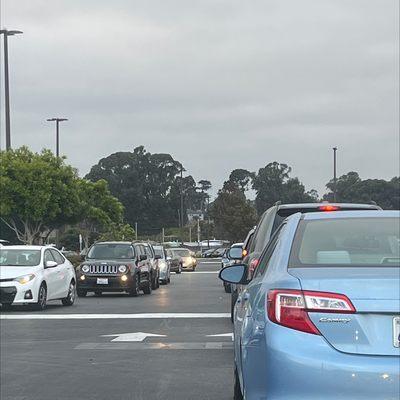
[335,320]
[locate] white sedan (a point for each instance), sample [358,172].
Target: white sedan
[34,275]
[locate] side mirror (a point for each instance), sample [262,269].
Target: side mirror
[236,274]
[143,257]
[235,253]
[158,257]
[50,264]
[169,258]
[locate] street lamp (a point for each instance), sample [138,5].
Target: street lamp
[334,174]
[58,120]
[6,34]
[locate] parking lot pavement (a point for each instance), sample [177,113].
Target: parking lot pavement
[123,347]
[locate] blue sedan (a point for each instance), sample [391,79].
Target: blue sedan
[321,317]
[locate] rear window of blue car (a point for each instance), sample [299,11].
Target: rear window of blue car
[347,242]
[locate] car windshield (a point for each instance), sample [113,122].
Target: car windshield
[181,253]
[19,258]
[159,251]
[112,251]
[347,242]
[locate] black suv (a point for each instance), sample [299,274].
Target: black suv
[115,267]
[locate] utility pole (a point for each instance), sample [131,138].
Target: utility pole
[6,34]
[57,120]
[181,213]
[334,174]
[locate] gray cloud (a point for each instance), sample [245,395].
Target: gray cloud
[219,84]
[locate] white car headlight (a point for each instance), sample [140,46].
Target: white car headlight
[24,279]
[85,269]
[122,269]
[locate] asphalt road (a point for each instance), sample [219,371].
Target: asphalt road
[96,349]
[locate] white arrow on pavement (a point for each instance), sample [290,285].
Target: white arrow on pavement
[223,335]
[132,337]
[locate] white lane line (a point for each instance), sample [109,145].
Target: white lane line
[222,335]
[113,316]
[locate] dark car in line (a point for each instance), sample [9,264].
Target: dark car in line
[115,267]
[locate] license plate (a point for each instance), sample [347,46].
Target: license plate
[396,332]
[102,281]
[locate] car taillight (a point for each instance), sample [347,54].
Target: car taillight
[244,253]
[253,264]
[328,207]
[290,308]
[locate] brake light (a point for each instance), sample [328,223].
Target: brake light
[290,308]
[329,207]
[253,264]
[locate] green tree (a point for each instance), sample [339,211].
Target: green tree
[99,209]
[242,178]
[273,183]
[118,232]
[232,213]
[38,193]
[352,189]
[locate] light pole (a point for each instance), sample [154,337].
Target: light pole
[181,213]
[58,120]
[6,34]
[334,174]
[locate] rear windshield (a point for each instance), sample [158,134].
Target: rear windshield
[347,242]
[19,258]
[111,251]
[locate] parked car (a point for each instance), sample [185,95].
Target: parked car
[181,259]
[214,252]
[324,303]
[155,270]
[270,222]
[163,264]
[232,255]
[115,267]
[35,275]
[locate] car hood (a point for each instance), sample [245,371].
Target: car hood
[14,272]
[94,261]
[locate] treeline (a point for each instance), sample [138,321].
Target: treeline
[41,194]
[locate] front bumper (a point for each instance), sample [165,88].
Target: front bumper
[114,282]
[14,292]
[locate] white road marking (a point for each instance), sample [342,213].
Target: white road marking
[132,337]
[223,335]
[156,346]
[113,316]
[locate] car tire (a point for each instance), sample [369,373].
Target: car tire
[81,292]
[42,298]
[233,302]
[147,288]
[98,293]
[70,299]
[228,288]
[134,289]
[154,282]
[179,269]
[237,392]
[169,280]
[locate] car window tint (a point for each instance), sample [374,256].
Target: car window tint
[57,256]
[269,251]
[48,256]
[262,235]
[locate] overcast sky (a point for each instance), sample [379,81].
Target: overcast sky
[219,84]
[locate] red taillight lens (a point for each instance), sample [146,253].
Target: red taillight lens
[290,308]
[253,264]
[329,207]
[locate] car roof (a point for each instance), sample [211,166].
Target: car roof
[179,248]
[237,245]
[114,242]
[317,205]
[27,247]
[352,214]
